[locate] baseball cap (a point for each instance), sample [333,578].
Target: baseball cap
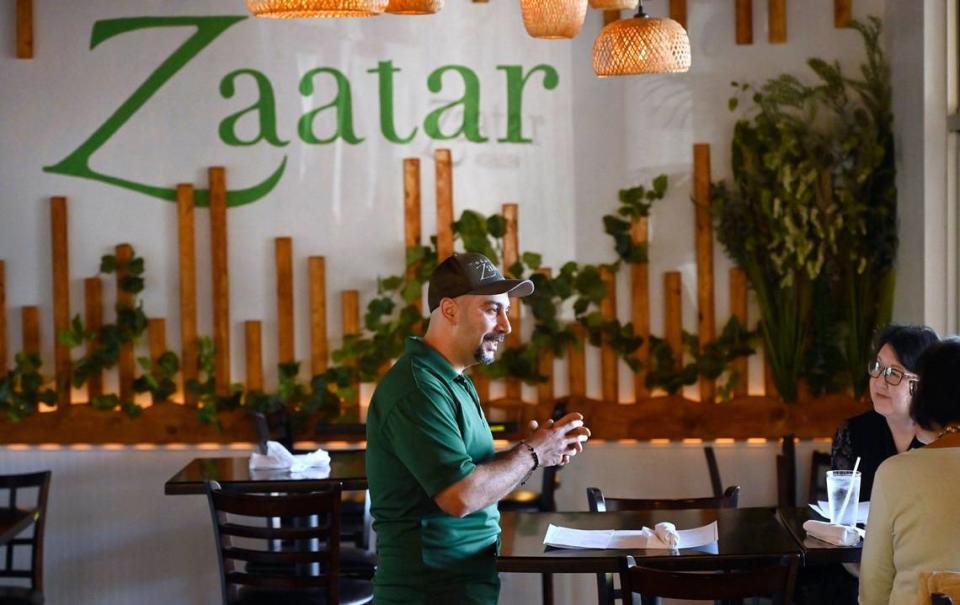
[471,273]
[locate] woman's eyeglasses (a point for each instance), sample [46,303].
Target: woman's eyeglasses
[892,376]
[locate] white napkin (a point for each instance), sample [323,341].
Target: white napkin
[839,535]
[667,532]
[278,457]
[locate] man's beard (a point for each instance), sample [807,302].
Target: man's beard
[484,357]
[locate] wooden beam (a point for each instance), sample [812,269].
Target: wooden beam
[157,333]
[411,212]
[186,259]
[24,29]
[4,346]
[283,251]
[61,298]
[744,20]
[220,278]
[609,361]
[678,12]
[706,311]
[545,365]
[254,349]
[350,311]
[444,177]
[673,314]
[577,362]
[126,363]
[738,308]
[30,328]
[93,318]
[511,254]
[640,307]
[842,13]
[319,350]
[777,14]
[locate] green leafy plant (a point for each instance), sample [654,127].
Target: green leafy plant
[22,388]
[635,202]
[203,387]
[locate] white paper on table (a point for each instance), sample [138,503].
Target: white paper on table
[822,508]
[565,537]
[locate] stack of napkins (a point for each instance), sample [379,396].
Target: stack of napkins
[838,535]
[664,536]
[280,458]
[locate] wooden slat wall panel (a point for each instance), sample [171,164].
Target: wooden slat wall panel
[609,361]
[157,334]
[4,346]
[254,352]
[30,326]
[738,308]
[350,310]
[678,12]
[673,313]
[545,364]
[842,13]
[511,254]
[93,318]
[220,277]
[318,315]
[283,254]
[61,297]
[577,363]
[777,14]
[640,307]
[126,364]
[24,29]
[744,19]
[706,312]
[411,210]
[186,259]
[444,178]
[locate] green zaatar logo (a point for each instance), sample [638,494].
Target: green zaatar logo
[208,29]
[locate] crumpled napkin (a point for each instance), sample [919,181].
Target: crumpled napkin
[279,457]
[667,532]
[838,535]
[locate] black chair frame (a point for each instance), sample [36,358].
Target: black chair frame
[13,484]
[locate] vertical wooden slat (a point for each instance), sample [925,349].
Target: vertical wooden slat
[350,310]
[609,362]
[673,314]
[61,298]
[254,350]
[769,384]
[511,254]
[577,363]
[411,211]
[220,278]
[186,258]
[640,307]
[678,12]
[444,178]
[157,334]
[706,312]
[738,308]
[744,19]
[283,251]
[842,13]
[4,347]
[777,15]
[545,365]
[93,318]
[30,326]
[126,363]
[318,315]
[24,29]
[611,16]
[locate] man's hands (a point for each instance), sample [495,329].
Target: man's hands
[557,442]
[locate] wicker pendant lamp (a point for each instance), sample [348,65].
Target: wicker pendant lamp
[414,7]
[641,45]
[553,18]
[295,9]
[613,5]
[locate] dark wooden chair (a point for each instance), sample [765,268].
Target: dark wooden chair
[607,594]
[819,465]
[253,570]
[787,473]
[938,598]
[766,577]
[715,483]
[14,485]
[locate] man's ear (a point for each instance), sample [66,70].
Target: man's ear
[450,310]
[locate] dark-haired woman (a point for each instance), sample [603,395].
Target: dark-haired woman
[914,523]
[887,429]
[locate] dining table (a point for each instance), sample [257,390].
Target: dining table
[815,552]
[13,521]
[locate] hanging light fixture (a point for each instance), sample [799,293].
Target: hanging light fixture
[414,7]
[641,45]
[613,5]
[553,18]
[295,9]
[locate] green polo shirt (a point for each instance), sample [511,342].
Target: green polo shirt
[425,432]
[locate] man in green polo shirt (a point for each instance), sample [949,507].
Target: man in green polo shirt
[434,476]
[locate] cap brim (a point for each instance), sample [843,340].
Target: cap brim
[516,288]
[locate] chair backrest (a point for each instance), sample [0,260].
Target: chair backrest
[938,598]
[939,587]
[600,503]
[263,432]
[787,473]
[820,463]
[715,483]
[768,577]
[13,484]
[246,528]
